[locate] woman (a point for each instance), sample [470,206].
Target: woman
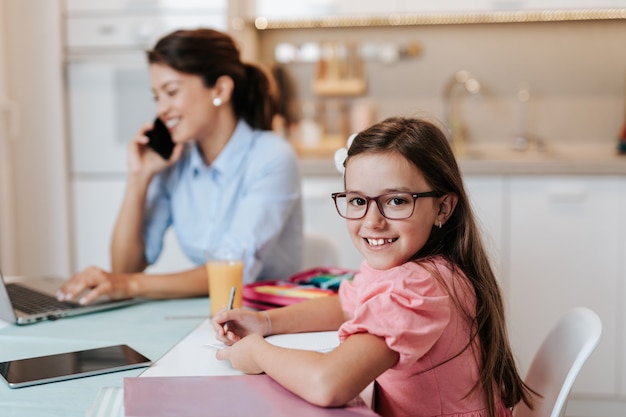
[229,180]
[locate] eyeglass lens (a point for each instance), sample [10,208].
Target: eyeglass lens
[392,206]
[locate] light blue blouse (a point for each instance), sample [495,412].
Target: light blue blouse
[249,196]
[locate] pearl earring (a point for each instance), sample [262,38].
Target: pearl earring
[217,101]
[439,224]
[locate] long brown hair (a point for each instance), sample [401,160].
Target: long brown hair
[210,54]
[425,145]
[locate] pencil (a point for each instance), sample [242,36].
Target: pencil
[231,299]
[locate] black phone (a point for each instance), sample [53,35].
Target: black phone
[160,139]
[69,365]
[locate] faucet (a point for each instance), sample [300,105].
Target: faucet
[452,107]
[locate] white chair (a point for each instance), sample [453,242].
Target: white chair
[319,250]
[558,361]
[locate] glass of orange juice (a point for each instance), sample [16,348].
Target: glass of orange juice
[224,267]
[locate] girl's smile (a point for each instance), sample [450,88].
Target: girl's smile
[380,241]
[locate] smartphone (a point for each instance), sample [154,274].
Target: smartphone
[160,139]
[70,365]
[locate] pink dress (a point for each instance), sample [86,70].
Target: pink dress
[408,307]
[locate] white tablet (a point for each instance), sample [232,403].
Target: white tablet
[59,367]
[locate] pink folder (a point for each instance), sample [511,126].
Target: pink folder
[222,396]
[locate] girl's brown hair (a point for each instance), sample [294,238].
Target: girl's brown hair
[425,146]
[210,54]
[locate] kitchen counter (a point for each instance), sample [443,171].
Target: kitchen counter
[498,160]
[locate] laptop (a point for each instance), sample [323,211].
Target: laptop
[31,300]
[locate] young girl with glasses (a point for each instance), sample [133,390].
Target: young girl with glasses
[424,318]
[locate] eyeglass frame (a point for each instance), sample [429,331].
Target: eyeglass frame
[378,204]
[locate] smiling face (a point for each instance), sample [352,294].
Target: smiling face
[183,102]
[387,243]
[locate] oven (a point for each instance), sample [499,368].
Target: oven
[108,90]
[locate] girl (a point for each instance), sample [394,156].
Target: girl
[228,179]
[424,318]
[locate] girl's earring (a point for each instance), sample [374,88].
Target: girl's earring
[217,101]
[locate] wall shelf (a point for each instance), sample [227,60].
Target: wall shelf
[445,18]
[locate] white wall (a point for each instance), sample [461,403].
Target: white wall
[7,255]
[39,175]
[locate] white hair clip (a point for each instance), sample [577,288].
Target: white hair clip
[342,153]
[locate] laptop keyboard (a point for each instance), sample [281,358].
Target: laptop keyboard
[33,302]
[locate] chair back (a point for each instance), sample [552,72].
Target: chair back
[558,361]
[319,250]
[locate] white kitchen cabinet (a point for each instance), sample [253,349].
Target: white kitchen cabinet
[565,244]
[321,217]
[621,295]
[488,196]
[96,204]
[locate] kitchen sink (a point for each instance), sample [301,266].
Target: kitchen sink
[500,153]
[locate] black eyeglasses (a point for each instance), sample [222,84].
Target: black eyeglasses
[393,206]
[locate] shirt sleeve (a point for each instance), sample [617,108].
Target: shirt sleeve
[408,308]
[271,195]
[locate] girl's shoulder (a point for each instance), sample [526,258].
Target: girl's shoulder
[423,277]
[420,269]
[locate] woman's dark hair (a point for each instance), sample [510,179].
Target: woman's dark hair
[210,54]
[426,147]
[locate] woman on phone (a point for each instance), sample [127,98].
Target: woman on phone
[228,180]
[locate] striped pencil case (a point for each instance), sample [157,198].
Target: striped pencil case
[305,285]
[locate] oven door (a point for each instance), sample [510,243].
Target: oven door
[108,88]
[109,98]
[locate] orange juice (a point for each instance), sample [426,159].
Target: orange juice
[224,274]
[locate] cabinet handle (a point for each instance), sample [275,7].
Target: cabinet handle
[11,108]
[567,196]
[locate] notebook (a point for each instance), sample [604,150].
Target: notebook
[33,300]
[224,396]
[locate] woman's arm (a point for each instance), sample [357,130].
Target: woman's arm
[97,282]
[127,244]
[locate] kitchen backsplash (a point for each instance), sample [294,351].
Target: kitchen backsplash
[573,71]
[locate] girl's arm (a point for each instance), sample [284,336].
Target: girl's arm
[127,244]
[330,379]
[327,380]
[314,315]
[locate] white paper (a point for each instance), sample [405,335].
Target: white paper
[318,341]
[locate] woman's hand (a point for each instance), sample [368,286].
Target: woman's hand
[241,355]
[241,323]
[143,159]
[97,282]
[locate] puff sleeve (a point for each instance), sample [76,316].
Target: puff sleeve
[405,305]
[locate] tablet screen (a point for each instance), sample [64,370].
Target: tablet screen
[69,365]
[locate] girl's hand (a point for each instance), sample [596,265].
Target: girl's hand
[144,160]
[241,323]
[241,354]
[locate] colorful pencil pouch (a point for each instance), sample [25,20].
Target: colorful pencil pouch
[305,285]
